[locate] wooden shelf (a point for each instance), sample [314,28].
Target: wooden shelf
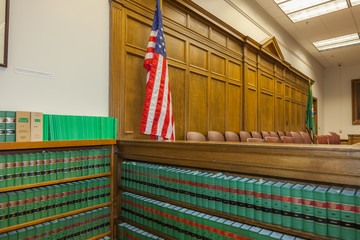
[55,144]
[100,236]
[269,226]
[8,189]
[7,229]
[147,229]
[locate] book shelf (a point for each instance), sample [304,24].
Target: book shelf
[28,147]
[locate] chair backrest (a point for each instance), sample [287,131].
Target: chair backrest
[336,138]
[215,136]
[306,137]
[255,134]
[265,134]
[274,134]
[297,137]
[273,139]
[322,139]
[258,140]
[281,133]
[287,133]
[330,139]
[195,136]
[231,137]
[287,139]
[244,136]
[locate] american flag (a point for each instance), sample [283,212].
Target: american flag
[157,118]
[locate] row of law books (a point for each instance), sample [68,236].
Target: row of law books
[327,211]
[182,223]
[79,226]
[66,127]
[28,205]
[126,231]
[30,168]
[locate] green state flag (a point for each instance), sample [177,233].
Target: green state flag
[310,112]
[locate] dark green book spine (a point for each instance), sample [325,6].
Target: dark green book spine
[258,201]
[276,202]
[347,198]
[320,211]
[37,203]
[73,164]
[333,212]
[107,160]
[51,200]
[47,177]
[249,198]
[43,202]
[2,126]
[4,210]
[85,162]
[58,199]
[76,197]
[32,168]
[40,167]
[13,209]
[18,169]
[3,169]
[92,162]
[26,169]
[266,201]
[30,207]
[52,166]
[60,165]
[297,207]
[10,170]
[308,208]
[10,126]
[67,164]
[64,198]
[286,219]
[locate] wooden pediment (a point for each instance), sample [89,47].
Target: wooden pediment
[271,47]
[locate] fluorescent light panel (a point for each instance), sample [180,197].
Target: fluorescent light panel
[354,2]
[337,42]
[298,10]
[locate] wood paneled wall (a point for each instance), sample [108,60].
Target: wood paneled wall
[219,79]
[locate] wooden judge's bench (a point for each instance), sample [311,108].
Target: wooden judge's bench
[354,138]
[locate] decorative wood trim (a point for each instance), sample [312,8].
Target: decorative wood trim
[6,32]
[355,100]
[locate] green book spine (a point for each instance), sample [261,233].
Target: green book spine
[40,231]
[76,197]
[233,195]
[84,162]
[258,201]
[107,160]
[218,193]
[199,189]
[297,207]
[26,174]
[40,167]
[90,193]
[60,165]
[4,210]
[47,177]
[32,168]
[43,202]
[249,198]
[30,206]
[67,164]
[333,212]
[78,171]
[10,126]
[96,191]
[205,190]
[13,235]
[55,229]
[22,234]
[286,219]
[102,160]
[347,199]
[70,227]
[320,212]
[241,197]
[3,169]
[21,195]
[47,230]
[98,157]
[51,200]
[83,194]
[65,198]
[13,208]
[307,195]
[58,199]
[92,162]
[37,203]
[53,166]
[45,127]
[62,228]
[276,202]
[10,170]
[107,189]
[2,126]
[73,164]
[226,193]
[357,215]
[266,201]
[18,169]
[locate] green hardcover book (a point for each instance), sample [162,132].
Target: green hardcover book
[225,183]
[55,229]
[98,157]
[285,190]
[13,235]
[76,224]
[307,195]
[320,212]
[4,210]
[234,195]
[96,184]
[249,198]
[18,169]
[82,228]
[276,202]
[10,126]
[47,230]
[43,202]
[347,199]
[53,166]
[219,194]
[51,200]
[85,162]
[266,201]
[91,161]
[199,189]
[10,170]
[30,205]
[241,210]
[62,228]
[32,168]
[3,174]
[70,227]
[90,193]
[60,165]
[30,233]
[26,169]
[64,198]
[13,208]
[107,160]
[75,196]
[297,206]
[107,190]
[40,231]
[40,167]
[21,196]
[258,201]
[47,177]
[254,232]
[45,127]
[102,160]
[73,167]
[333,212]
[23,234]
[83,194]
[2,126]
[78,165]
[58,199]
[357,215]
[67,164]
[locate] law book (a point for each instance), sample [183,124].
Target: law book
[10,126]
[13,235]
[225,183]
[64,197]
[32,168]
[47,230]
[276,202]
[22,133]
[75,196]
[249,198]
[90,193]
[266,201]
[285,190]
[96,191]
[2,126]
[18,169]
[43,202]
[84,162]
[219,193]
[357,213]
[53,166]
[241,197]
[199,189]
[46,166]
[233,185]
[10,170]
[22,233]
[258,201]
[55,229]
[40,167]
[4,210]
[21,195]
[3,169]
[297,206]
[70,227]
[39,231]
[60,165]
[51,200]
[347,199]
[67,164]
[91,162]
[192,187]
[58,199]
[30,205]
[307,194]
[25,176]
[36,126]
[320,211]
[73,164]
[83,194]
[13,208]
[78,164]
[333,212]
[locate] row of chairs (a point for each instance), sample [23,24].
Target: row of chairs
[333,138]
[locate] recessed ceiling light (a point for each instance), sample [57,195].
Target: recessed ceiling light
[355,2]
[298,10]
[337,42]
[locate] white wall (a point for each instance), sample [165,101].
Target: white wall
[65,37]
[337,95]
[253,21]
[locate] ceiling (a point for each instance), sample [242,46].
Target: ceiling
[331,25]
